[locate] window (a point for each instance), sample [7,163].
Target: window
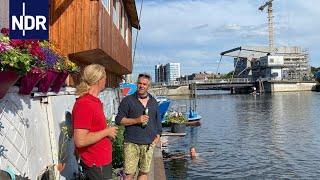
[115,12]
[127,30]
[271,60]
[122,12]
[125,27]
[106,4]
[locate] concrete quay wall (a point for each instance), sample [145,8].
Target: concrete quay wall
[289,86]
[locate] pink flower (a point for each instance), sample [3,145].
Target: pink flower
[17,43]
[4,47]
[37,52]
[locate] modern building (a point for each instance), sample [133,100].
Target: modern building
[173,72]
[160,73]
[168,73]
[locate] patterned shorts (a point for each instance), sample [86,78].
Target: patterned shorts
[136,155]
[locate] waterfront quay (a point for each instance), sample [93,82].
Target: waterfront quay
[235,86]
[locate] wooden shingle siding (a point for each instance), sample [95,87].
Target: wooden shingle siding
[84,30]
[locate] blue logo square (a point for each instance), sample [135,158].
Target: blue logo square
[28,19]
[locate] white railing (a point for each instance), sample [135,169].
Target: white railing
[177,83]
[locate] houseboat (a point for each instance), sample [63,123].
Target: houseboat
[35,129]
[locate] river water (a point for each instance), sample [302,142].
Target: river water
[271,136]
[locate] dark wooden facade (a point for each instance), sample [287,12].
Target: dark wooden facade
[85,31]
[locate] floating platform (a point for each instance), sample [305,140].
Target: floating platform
[193,123]
[173,134]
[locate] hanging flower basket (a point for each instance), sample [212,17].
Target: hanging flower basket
[30,80]
[47,80]
[58,83]
[7,79]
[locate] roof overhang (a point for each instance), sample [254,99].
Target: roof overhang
[100,57]
[244,52]
[131,10]
[249,52]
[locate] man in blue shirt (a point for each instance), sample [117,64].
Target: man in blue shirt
[140,115]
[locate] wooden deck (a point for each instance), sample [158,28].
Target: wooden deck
[173,134]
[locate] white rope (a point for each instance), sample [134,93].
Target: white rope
[135,43]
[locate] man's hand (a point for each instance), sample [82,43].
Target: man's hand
[156,140]
[142,119]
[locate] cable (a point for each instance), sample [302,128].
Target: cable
[219,64]
[135,43]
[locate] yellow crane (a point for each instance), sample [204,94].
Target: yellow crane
[270,23]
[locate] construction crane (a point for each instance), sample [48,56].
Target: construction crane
[270,23]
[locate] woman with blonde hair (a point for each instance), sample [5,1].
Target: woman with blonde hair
[91,132]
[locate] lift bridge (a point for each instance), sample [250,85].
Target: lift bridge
[234,85]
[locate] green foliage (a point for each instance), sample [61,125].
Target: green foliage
[17,60]
[117,148]
[314,70]
[228,75]
[175,117]
[64,64]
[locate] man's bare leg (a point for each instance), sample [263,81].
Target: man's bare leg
[142,176]
[129,177]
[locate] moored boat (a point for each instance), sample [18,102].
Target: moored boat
[164,104]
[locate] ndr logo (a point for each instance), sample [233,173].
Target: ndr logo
[29,19]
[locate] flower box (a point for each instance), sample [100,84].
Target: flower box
[30,80]
[7,79]
[59,82]
[47,80]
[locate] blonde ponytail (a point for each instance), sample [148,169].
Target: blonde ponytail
[91,75]
[82,88]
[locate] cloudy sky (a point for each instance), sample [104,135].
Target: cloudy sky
[194,32]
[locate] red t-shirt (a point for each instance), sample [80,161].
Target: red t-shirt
[88,114]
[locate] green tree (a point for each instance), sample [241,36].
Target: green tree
[314,70]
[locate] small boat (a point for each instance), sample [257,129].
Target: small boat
[164,104]
[193,117]
[128,88]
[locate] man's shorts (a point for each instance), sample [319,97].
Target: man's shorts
[136,155]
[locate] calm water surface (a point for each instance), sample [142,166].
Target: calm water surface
[251,137]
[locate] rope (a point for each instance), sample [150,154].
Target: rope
[135,43]
[219,64]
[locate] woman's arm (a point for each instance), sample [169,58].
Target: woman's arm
[83,138]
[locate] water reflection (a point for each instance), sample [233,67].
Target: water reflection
[177,168]
[270,136]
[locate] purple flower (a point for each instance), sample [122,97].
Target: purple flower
[50,57]
[4,47]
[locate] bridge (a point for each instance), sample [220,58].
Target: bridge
[235,85]
[238,85]
[224,84]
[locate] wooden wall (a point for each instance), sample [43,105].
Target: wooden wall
[85,30]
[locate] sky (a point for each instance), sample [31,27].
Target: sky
[194,32]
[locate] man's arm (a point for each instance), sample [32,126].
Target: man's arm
[132,121]
[158,126]
[122,116]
